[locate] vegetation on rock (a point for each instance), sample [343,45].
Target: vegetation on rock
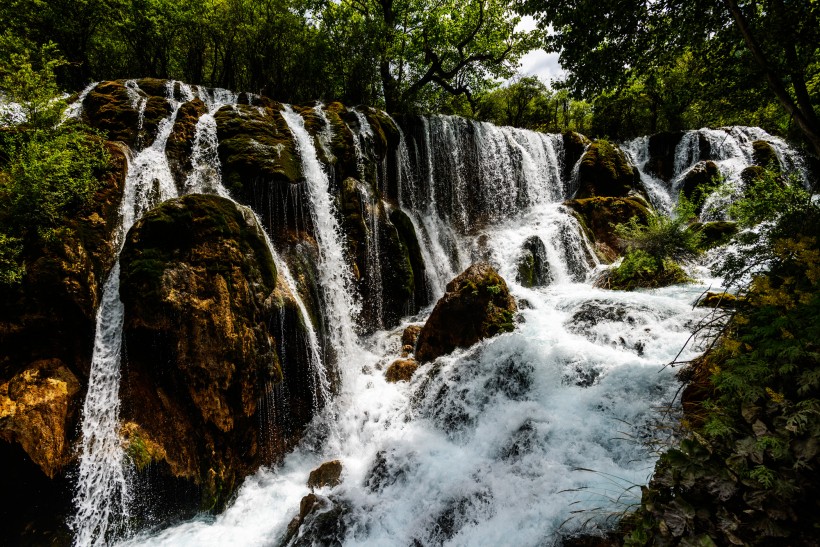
[477,305]
[605,171]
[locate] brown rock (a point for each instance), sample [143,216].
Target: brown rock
[411,335]
[477,305]
[327,474]
[605,171]
[36,407]
[401,370]
[599,216]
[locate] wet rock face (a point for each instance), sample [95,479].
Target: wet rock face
[764,155]
[202,340]
[574,146]
[327,474]
[477,305]
[401,370]
[109,107]
[605,171]
[600,215]
[533,268]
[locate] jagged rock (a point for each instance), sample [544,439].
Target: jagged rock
[764,155]
[700,181]
[533,267]
[477,305]
[401,370]
[321,521]
[410,335]
[327,474]
[203,309]
[599,216]
[605,171]
[36,407]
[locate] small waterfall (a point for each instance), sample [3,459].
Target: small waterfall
[370,212]
[75,109]
[660,196]
[334,271]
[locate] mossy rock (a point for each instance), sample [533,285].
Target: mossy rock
[409,239]
[156,110]
[344,149]
[722,300]
[401,370]
[599,216]
[108,108]
[605,171]
[477,305]
[764,155]
[533,269]
[715,233]
[700,181]
[256,148]
[752,174]
[662,147]
[642,271]
[154,87]
[180,143]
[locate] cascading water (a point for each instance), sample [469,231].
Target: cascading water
[102,495]
[731,149]
[335,276]
[490,445]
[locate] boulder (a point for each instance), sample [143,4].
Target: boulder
[605,171]
[206,321]
[321,521]
[599,216]
[533,267]
[327,474]
[401,370]
[718,300]
[699,182]
[764,155]
[410,335]
[477,305]
[714,233]
[108,107]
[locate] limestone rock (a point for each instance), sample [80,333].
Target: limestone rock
[700,181]
[327,474]
[477,305]
[574,146]
[605,171]
[764,155]
[662,147]
[206,318]
[410,335]
[401,370]
[108,107]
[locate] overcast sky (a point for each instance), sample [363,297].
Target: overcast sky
[538,62]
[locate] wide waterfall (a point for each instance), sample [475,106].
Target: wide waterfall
[517,440]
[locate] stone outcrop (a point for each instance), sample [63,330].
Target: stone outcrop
[764,155]
[477,305]
[203,309]
[605,171]
[599,216]
[327,474]
[700,181]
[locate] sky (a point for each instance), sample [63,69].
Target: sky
[538,62]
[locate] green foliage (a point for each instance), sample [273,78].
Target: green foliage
[663,237]
[48,172]
[28,78]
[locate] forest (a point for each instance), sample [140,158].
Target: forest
[342,272]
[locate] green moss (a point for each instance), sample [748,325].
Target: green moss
[715,233]
[605,171]
[599,215]
[108,108]
[254,144]
[764,155]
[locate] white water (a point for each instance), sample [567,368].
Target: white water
[102,495]
[486,446]
[334,272]
[730,149]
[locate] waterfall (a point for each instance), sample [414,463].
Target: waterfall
[102,494]
[75,109]
[660,196]
[334,271]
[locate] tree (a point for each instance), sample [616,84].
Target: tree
[449,44]
[605,43]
